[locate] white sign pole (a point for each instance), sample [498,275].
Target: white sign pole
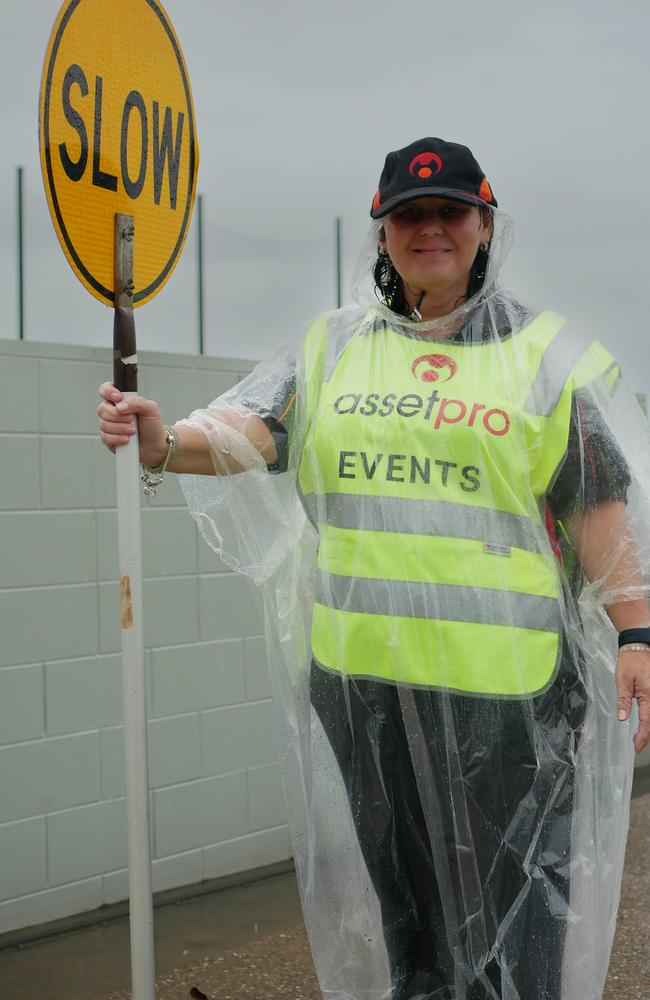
[131,621]
[151,175]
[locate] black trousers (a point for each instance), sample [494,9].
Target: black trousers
[474,885]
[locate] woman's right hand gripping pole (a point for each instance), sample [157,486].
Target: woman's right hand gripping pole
[116,424]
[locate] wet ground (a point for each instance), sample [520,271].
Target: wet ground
[249,942]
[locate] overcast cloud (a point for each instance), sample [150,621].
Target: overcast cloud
[297,104]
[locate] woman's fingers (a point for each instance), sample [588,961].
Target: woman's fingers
[624,685]
[113,441]
[633,681]
[642,695]
[113,435]
[106,411]
[108,391]
[137,404]
[120,415]
[642,735]
[113,399]
[114,425]
[117,424]
[117,427]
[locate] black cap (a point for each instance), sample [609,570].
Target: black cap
[431,168]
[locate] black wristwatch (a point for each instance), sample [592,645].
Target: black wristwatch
[633,635]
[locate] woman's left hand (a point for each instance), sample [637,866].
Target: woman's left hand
[633,681]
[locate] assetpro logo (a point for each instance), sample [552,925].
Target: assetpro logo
[440,411]
[434,368]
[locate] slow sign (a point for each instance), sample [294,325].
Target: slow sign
[117,135]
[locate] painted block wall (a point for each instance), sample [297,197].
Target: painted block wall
[216,797]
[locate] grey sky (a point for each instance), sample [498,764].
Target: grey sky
[297,104]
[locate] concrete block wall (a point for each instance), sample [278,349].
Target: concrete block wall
[216,797]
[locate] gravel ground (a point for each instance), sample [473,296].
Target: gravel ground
[279,967]
[270,968]
[629,969]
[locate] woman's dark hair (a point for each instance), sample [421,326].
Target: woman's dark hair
[389,287]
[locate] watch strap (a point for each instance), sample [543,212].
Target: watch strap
[633,635]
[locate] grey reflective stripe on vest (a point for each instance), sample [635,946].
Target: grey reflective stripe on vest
[440,602]
[425,517]
[558,361]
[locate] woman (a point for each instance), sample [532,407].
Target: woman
[463,463]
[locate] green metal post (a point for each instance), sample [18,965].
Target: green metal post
[339,227]
[21,268]
[199,208]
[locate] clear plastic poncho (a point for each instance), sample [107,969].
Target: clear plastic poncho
[442,661]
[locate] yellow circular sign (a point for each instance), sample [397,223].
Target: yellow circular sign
[117,134]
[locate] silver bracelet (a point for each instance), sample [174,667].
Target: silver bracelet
[635,647]
[152,478]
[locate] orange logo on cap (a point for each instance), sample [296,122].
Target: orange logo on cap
[376,202]
[420,165]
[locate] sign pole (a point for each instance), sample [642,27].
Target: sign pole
[118,147]
[199,209]
[125,377]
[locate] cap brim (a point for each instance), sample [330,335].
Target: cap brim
[452,194]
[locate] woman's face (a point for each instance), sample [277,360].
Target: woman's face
[432,243]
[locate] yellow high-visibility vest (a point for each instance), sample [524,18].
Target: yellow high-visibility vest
[425,466]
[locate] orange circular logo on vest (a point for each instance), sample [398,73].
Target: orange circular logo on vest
[117,135]
[434,368]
